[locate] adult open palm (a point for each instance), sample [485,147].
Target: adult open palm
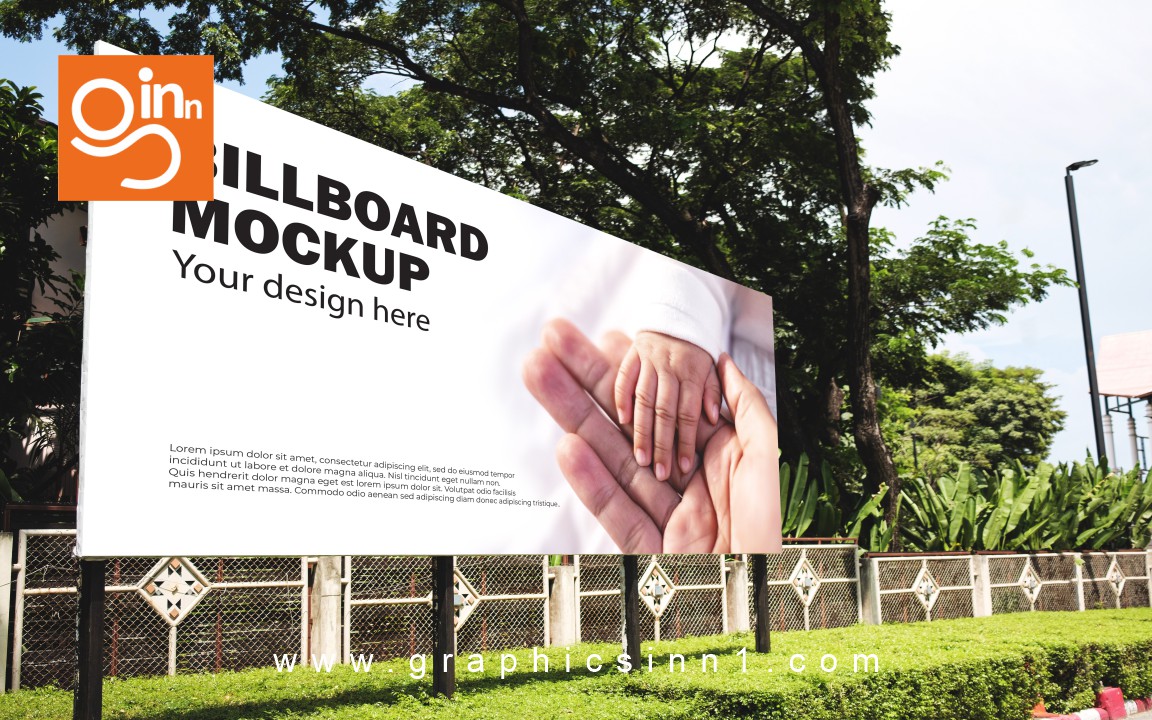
[730,502]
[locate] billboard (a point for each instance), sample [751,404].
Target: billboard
[348,352]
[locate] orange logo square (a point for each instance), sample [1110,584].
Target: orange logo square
[135,127]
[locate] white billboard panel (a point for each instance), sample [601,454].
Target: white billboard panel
[330,357]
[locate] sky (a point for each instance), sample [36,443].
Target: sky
[1007,95]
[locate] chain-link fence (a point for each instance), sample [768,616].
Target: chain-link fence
[599,602]
[1068,581]
[812,587]
[1020,583]
[161,615]
[508,606]
[680,595]
[196,614]
[500,601]
[44,619]
[1133,580]
[388,606]
[911,588]
[1060,582]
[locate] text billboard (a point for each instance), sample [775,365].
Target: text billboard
[348,352]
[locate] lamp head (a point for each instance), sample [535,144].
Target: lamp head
[1081,164]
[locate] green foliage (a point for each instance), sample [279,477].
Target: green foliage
[945,282]
[39,355]
[811,506]
[716,133]
[700,130]
[994,667]
[27,199]
[40,389]
[1068,507]
[960,411]
[1073,506]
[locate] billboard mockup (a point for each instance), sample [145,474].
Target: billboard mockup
[347,352]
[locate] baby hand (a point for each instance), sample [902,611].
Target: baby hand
[670,380]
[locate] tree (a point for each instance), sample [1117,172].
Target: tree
[720,133]
[988,417]
[39,355]
[945,282]
[27,199]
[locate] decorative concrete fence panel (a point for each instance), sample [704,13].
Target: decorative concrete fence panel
[387,606]
[914,588]
[680,595]
[1022,583]
[812,587]
[500,601]
[161,615]
[1068,581]
[197,614]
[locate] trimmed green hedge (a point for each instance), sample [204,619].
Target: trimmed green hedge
[961,669]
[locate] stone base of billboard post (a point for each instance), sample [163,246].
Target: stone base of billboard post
[327,596]
[736,597]
[562,620]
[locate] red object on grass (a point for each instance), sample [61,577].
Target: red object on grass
[1111,700]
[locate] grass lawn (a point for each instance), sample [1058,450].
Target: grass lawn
[963,669]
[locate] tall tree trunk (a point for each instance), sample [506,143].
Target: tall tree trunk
[859,198]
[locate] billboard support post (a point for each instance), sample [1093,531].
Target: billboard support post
[760,603]
[88,697]
[631,566]
[443,626]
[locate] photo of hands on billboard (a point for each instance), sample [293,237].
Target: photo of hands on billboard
[409,363]
[647,447]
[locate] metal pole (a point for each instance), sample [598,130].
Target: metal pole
[631,566]
[87,700]
[760,603]
[1089,354]
[443,626]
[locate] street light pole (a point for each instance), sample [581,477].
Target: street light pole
[1090,355]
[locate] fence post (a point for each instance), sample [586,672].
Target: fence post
[1148,550]
[5,602]
[736,597]
[870,590]
[443,626]
[325,640]
[562,618]
[981,587]
[1078,562]
[346,608]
